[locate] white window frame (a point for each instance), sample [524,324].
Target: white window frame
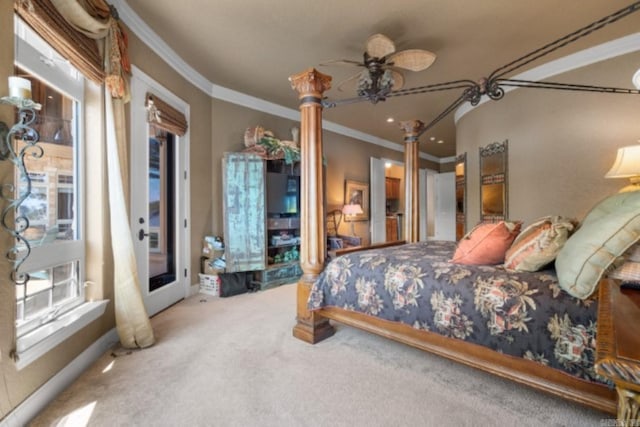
[66,188]
[61,322]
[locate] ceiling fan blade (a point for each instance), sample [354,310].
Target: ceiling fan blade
[342,86]
[398,80]
[413,59]
[341,62]
[379,46]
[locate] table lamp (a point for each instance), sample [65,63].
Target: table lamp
[349,212]
[627,165]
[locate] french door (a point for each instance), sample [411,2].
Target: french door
[158,202]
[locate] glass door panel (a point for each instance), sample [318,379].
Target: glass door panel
[161,208]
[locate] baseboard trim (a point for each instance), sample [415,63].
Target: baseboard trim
[36,402]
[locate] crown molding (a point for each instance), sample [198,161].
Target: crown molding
[601,52]
[156,44]
[151,39]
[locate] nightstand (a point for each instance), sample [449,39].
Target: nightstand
[618,346]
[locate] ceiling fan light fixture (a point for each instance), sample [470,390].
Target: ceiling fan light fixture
[379,46]
[413,59]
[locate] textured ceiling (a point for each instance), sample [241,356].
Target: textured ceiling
[253,46]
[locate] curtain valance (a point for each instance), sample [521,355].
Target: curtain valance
[87,33]
[80,50]
[165,116]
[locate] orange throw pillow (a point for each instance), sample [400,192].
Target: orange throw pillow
[486,244]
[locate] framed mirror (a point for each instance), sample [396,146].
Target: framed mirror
[461,195]
[493,182]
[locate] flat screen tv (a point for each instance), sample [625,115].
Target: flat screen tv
[283,193]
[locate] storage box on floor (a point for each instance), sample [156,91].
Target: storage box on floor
[210,284]
[212,265]
[224,284]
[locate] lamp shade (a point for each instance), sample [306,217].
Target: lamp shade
[352,210]
[627,163]
[636,79]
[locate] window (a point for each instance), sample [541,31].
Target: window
[66,207]
[56,264]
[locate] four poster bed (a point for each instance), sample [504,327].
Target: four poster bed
[317,305]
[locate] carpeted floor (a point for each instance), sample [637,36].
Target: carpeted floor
[233,362]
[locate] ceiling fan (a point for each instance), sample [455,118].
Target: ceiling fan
[383,66]
[473,91]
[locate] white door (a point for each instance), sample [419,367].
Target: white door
[424,197]
[445,209]
[378,209]
[158,200]
[427,204]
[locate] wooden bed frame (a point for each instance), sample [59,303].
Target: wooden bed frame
[314,326]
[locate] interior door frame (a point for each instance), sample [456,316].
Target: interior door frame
[378,197]
[165,296]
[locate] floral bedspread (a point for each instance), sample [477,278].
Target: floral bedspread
[521,314]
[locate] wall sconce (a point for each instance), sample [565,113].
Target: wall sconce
[627,165]
[349,212]
[19,97]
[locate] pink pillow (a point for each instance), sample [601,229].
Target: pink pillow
[486,244]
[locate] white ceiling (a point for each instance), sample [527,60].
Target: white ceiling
[253,46]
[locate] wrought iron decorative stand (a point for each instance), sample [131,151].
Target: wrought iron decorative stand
[21,130]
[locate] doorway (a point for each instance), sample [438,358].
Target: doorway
[394,200]
[387,200]
[427,202]
[159,199]
[161,208]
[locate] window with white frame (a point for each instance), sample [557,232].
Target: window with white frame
[65,206]
[56,263]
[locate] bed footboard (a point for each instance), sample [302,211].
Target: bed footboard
[522,371]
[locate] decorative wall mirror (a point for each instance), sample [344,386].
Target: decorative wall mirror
[461,195]
[493,182]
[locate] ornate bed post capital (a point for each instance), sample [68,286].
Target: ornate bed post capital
[411,129]
[310,83]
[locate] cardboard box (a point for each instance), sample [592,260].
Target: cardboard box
[209,269]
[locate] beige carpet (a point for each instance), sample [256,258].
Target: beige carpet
[233,362]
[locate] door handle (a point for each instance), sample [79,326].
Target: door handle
[142,234]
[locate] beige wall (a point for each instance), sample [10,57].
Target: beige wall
[346,158]
[560,143]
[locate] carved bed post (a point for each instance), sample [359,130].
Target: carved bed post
[310,85]
[411,130]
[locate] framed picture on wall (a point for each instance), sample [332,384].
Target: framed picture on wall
[357,193]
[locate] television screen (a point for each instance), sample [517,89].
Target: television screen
[282,194]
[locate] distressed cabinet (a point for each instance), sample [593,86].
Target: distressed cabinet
[243,206]
[261,218]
